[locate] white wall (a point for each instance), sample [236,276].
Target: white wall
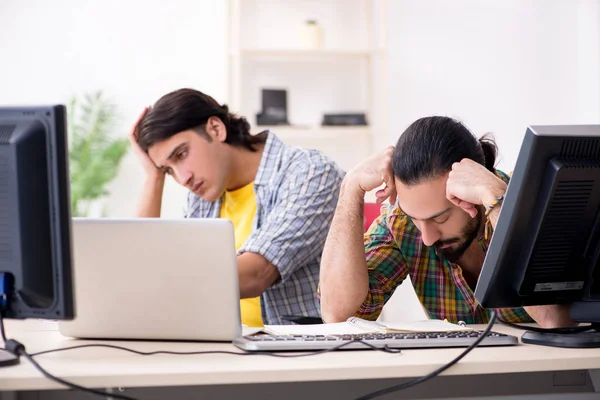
[135,51]
[498,65]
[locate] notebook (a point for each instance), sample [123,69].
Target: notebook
[355,325]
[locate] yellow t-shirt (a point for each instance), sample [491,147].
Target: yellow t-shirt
[239,206]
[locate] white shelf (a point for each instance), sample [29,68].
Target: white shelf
[346,145]
[266,52]
[316,133]
[346,74]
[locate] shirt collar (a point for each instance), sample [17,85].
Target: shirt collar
[273,147]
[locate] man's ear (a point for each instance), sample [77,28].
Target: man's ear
[216,129]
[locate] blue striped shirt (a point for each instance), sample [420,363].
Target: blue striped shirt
[296,194]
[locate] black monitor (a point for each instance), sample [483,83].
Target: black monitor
[546,246]
[35,218]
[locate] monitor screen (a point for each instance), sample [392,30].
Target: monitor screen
[35,218]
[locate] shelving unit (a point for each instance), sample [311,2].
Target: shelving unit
[266,52]
[345,75]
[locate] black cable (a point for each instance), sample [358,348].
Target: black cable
[2,332]
[566,331]
[435,373]
[69,384]
[384,349]
[17,348]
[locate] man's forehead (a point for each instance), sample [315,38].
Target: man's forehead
[424,200]
[160,152]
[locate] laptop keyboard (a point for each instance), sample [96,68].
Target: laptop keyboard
[266,342]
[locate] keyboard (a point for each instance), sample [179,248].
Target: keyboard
[267,342]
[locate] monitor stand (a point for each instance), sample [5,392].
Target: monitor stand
[580,311]
[586,339]
[7,359]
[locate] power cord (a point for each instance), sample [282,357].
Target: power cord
[18,349]
[384,349]
[438,371]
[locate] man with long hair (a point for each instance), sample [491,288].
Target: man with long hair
[445,197]
[280,199]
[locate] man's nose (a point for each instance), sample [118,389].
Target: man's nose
[429,234]
[183,177]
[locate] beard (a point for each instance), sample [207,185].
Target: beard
[458,245]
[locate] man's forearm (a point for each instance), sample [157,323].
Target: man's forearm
[344,280]
[151,198]
[255,274]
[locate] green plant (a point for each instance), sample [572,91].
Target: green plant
[94,155]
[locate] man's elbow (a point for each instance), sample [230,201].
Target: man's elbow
[257,284]
[256,275]
[333,317]
[551,316]
[253,287]
[331,312]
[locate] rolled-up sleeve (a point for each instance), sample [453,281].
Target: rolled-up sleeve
[385,263]
[296,227]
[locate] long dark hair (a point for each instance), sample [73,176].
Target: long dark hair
[186,109]
[429,147]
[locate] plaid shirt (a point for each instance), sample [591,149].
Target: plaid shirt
[296,195]
[394,250]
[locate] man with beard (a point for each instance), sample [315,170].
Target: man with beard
[449,196]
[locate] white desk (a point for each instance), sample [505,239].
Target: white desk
[498,371]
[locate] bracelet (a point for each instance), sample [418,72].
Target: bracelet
[493,205]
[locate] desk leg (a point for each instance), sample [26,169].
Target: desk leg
[595,378]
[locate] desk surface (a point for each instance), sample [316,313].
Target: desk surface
[98,367]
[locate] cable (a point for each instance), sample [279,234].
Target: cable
[435,373]
[72,385]
[566,331]
[18,349]
[2,332]
[384,349]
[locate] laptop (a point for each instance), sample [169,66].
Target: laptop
[157,279]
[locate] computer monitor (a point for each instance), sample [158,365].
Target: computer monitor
[546,246]
[35,218]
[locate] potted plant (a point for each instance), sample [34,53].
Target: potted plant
[94,153]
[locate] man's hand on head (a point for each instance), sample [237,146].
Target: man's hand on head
[372,173]
[471,184]
[147,164]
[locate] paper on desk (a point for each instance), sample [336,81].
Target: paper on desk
[249,331]
[356,325]
[340,328]
[429,325]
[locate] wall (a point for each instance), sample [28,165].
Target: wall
[135,51]
[496,65]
